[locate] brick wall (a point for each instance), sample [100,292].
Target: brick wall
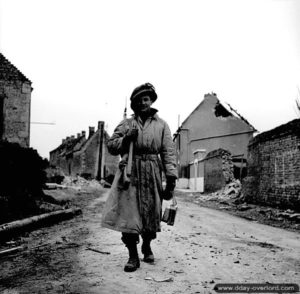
[218,170]
[274,167]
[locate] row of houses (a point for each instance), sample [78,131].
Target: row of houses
[213,144]
[87,157]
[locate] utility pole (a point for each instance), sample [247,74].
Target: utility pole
[100,172]
[41,123]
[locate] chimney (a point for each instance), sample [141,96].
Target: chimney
[100,124]
[83,133]
[72,137]
[63,141]
[91,131]
[78,135]
[211,97]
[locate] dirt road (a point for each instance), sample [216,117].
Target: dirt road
[205,247]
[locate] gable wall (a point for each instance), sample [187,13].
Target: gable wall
[16,111]
[204,130]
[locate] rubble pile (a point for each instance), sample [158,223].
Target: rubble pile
[230,191]
[287,214]
[231,198]
[54,175]
[227,167]
[218,170]
[79,183]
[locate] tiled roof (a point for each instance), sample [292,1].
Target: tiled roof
[9,72]
[76,144]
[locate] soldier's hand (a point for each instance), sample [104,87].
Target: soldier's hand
[169,190]
[171,183]
[132,134]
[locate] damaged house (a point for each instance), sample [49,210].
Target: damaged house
[210,127]
[15,97]
[87,157]
[274,167]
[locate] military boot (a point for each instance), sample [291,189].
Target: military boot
[133,262]
[146,250]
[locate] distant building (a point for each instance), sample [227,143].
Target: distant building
[15,98]
[274,167]
[87,157]
[209,127]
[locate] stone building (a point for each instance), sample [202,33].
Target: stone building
[209,127]
[87,157]
[274,167]
[15,98]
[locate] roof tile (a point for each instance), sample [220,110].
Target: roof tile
[9,72]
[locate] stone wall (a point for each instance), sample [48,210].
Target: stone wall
[90,156]
[218,170]
[274,167]
[77,164]
[16,96]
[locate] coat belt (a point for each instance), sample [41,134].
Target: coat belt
[146,156]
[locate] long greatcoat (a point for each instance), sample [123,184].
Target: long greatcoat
[138,208]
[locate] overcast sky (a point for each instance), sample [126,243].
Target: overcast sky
[84,57]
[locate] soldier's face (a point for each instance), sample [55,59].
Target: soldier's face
[144,104]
